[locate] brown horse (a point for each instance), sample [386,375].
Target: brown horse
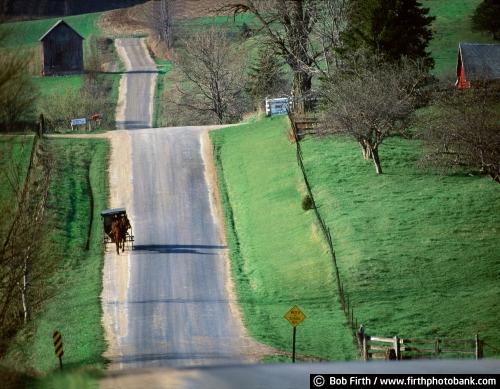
[119,228]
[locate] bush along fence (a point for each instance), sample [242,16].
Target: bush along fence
[345,304]
[375,347]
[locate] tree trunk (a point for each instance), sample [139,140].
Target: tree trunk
[366,150]
[166,11]
[299,57]
[301,87]
[376,160]
[24,288]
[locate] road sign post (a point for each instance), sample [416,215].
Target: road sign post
[295,316]
[58,346]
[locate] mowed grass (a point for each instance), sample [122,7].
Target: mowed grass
[278,258]
[452,25]
[75,310]
[50,86]
[418,252]
[164,67]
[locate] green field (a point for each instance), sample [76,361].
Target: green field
[27,33]
[278,257]
[452,25]
[49,86]
[418,251]
[75,310]
[23,38]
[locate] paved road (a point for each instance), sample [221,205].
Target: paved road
[177,304]
[139,80]
[167,302]
[290,376]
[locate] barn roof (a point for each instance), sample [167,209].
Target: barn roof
[480,61]
[58,23]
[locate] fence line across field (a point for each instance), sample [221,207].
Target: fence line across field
[402,348]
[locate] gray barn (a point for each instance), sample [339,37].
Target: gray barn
[62,50]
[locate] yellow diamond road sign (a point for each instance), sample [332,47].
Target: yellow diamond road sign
[295,316]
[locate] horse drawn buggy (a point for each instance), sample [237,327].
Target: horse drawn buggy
[116,229]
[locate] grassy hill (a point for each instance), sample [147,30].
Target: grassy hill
[278,259]
[23,38]
[452,25]
[417,251]
[79,172]
[26,33]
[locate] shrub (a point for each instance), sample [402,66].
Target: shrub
[307,203]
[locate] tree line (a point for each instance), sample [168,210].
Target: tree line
[367,62]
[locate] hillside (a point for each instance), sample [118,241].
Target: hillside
[417,250]
[452,25]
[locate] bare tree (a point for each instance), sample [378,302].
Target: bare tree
[17,91]
[160,18]
[291,26]
[23,267]
[213,75]
[373,101]
[463,130]
[166,22]
[332,21]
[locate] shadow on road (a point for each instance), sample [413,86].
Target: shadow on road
[179,249]
[177,356]
[132,124]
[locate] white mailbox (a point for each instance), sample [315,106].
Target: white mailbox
[279,106]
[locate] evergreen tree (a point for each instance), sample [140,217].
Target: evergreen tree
[266,76]
[390,28]
[487,18]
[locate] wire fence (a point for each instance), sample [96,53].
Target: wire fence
[344,300]
[357,331]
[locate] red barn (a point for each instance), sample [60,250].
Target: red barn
[477,62]
[62,50]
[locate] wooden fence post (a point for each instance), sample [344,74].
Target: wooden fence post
[437,350]
[365,348]
[397,348]
[479,347]
[41,127]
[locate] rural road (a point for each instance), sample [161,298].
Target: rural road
[168,302]
[137,85]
